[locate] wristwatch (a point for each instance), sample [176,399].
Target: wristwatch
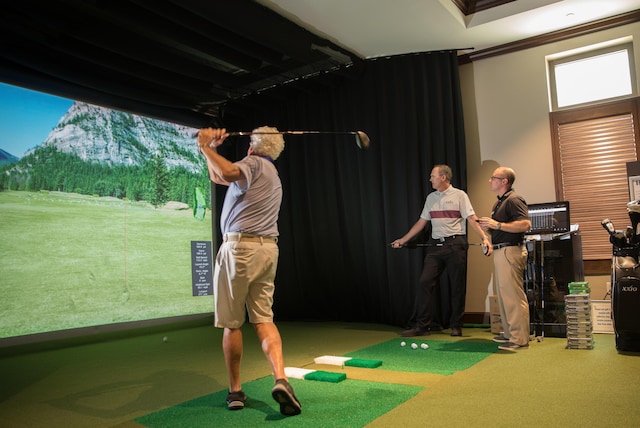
[499,227]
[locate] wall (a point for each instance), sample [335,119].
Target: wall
[506,108]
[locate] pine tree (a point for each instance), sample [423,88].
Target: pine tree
[160,182]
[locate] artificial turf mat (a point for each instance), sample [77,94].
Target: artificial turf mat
[351,403]
[442,357]
[323,376]
[359,362]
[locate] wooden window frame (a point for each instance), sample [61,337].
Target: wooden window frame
[628,106]
[553,62]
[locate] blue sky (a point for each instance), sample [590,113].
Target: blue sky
[27,117]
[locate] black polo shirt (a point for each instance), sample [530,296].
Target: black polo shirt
[509,207]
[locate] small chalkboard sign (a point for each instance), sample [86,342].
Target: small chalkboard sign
[201,268]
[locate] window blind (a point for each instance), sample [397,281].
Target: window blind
[593,155]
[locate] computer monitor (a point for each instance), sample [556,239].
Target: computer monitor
[549,217]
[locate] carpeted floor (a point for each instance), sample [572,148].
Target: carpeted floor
[332,404]
[134,380]
[441,356]
[325,405]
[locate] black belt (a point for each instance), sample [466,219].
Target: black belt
[506,244]
[447,238]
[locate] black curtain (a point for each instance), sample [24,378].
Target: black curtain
[342,206]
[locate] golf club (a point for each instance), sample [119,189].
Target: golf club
[439,244]
[362,139]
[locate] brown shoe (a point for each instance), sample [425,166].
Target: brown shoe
[415,331]
[455,331]
[283,393]
[235,400]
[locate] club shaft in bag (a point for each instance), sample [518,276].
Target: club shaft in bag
[542,288]
[534,284]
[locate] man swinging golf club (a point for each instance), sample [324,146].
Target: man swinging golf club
[247,260]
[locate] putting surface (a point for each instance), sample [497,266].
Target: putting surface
[443,357]
[324,404]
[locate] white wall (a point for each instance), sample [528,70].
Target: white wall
[506,108]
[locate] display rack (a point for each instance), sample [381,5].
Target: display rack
[553,262]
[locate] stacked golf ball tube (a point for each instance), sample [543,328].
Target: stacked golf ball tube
[578,312]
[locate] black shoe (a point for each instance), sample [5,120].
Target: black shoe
[512,347]
[415,331]
[282,392]
[235,400]
[455,331]
[500,339]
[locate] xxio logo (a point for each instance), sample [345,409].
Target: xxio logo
[629,288]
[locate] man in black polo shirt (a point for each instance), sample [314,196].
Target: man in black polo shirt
[508,223]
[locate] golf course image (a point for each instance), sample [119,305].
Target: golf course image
[71,261]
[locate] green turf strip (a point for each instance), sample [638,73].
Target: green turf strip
[325,376]
[442,357]
[359,362]
[323,404]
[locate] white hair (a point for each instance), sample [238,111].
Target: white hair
[270,145]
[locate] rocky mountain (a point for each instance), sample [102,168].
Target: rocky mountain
[112,137]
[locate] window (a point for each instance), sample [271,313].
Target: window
[594,127]
[591,148]
[596,75]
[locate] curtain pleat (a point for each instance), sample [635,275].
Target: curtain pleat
[342,206]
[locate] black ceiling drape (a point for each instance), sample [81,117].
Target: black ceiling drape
[342,205]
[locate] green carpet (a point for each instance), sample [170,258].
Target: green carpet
[443,357]
[330,404]
[323,404]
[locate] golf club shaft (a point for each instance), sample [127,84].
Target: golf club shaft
[433,245]
[362,139]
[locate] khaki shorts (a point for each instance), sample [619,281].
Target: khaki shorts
[243,282]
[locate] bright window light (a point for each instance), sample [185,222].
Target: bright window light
[593,78]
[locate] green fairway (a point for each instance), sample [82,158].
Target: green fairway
[70,261]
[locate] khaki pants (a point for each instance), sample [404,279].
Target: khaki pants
[509,264]
[243,280]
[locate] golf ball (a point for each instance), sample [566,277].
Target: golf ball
[424,346]
[165,339]
[414,346]
[403,343]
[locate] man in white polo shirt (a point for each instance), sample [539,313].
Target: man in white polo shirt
[447,209]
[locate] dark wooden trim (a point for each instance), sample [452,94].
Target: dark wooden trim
[596,111]
[469,7]
[555,36]
[597,267]
[613,108]
[462,5]
[476,318]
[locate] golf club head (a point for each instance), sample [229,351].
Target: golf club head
[362,140]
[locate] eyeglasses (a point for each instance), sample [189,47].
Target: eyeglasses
[493,177]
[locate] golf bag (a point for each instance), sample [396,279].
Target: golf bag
[625,281]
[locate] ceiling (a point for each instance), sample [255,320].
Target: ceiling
[185,60]
[375,28]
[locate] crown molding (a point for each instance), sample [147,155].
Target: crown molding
[555,36]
